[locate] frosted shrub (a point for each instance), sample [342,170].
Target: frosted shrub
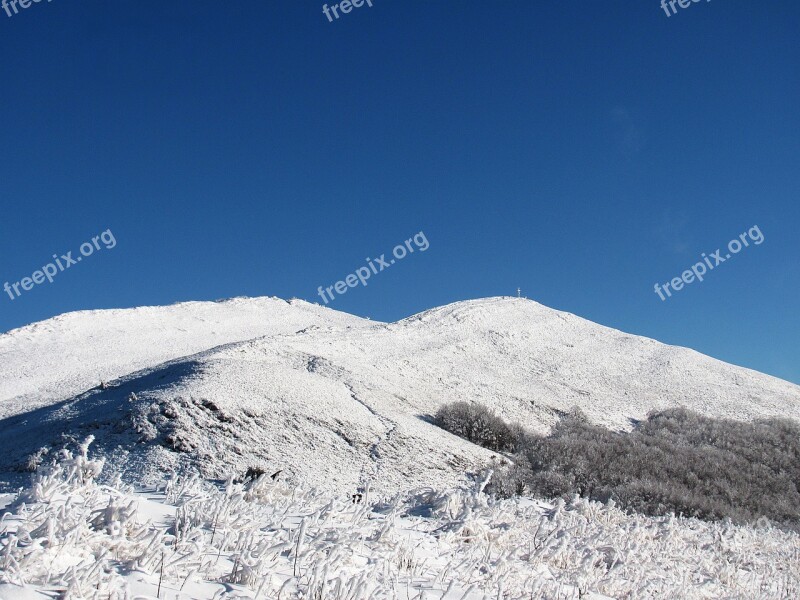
[67,536]
[478,424]
[676,461]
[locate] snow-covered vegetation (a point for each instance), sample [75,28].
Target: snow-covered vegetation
[479,425]
[675,461]
[70,535]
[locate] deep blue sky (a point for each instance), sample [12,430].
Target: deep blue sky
[582,151]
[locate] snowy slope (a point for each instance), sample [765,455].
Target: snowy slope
[346,403]
[69,354]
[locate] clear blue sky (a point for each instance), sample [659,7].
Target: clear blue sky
[582,151]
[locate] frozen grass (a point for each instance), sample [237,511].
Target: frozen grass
[264,539]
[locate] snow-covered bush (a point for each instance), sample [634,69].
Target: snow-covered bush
[478,424]
[676,461]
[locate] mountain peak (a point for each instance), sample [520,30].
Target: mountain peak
[263,380]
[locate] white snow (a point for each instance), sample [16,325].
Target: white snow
[338,402]
[69,354]
[68,535]
[342,405]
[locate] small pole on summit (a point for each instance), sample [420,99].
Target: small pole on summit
[519,292]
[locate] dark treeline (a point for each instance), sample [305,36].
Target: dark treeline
[676,461]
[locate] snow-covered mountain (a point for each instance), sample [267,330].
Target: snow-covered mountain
[333,400]
[69,354]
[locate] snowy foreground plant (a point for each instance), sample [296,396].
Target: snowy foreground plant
[70,535]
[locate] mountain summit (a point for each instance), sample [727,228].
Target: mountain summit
[334,400]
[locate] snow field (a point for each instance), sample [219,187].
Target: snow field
[58,358]
[265,539]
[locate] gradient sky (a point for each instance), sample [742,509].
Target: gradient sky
[582,151]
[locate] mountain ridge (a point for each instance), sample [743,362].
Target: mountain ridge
[342,402]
